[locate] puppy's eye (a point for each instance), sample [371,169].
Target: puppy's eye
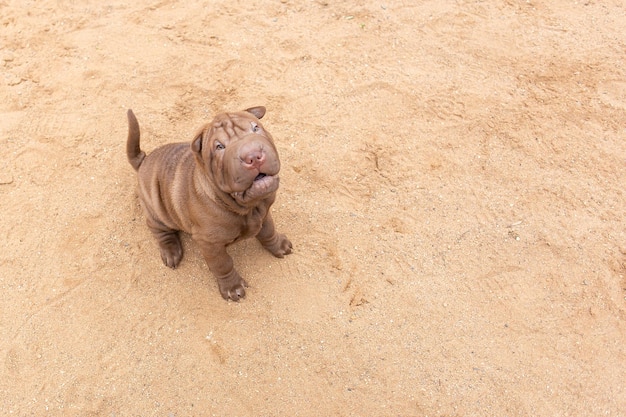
[255,127]
[219,146]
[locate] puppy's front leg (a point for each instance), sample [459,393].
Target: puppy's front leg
[276,243]
[220,263]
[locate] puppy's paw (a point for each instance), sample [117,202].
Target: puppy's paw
[280,246]
[232,288]
[171,252]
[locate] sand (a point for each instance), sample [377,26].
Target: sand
[453,179]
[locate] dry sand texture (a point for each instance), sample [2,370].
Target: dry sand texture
[453,183]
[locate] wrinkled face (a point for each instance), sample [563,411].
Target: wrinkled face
[239,155]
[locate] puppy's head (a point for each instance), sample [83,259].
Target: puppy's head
[239,155]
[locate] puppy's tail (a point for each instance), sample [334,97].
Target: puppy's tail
[134,153]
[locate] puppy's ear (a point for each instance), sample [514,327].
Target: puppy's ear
[196,145]
[258,111]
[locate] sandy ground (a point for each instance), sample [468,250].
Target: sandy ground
[453,183]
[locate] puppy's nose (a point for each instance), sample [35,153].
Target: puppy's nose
[253,158]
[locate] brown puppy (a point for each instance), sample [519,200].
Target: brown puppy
[219,189]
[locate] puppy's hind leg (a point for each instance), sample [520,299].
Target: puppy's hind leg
[169,243]
[276,243]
